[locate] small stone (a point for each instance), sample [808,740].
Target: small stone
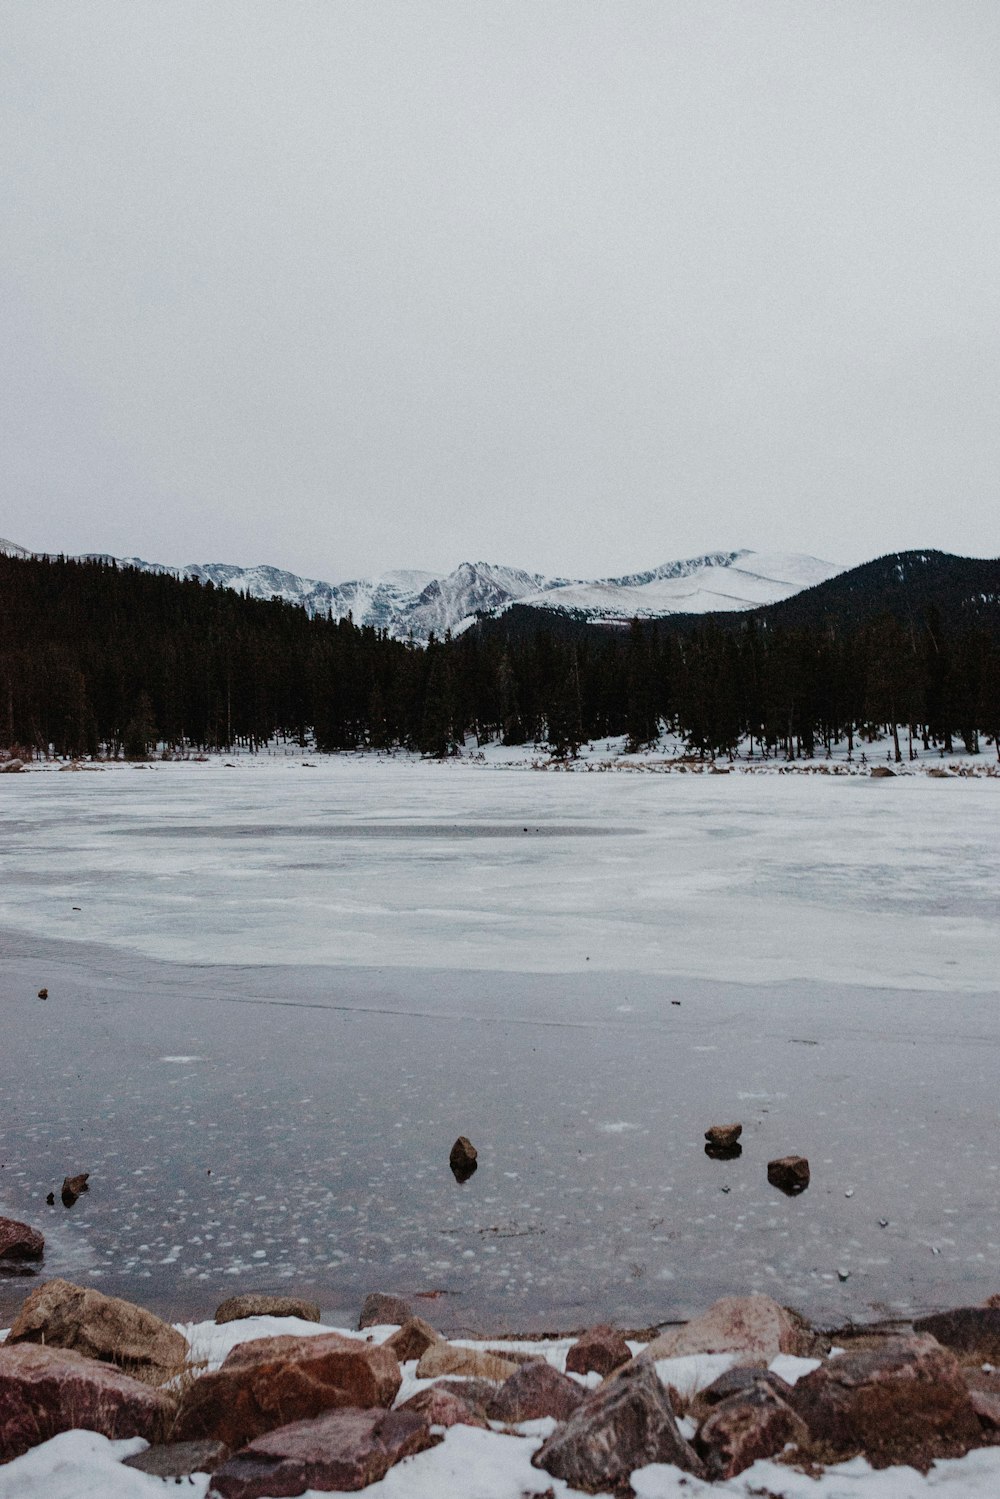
[849,1192]
[789,1173]
[843,1275]
[463,1159]
[723,1135]
[43,994]
[601,1351]
[178,1459]
[883,1223]
[19,1241]
[259,1304]
[73,1187]
[382,1309]
[51,1199]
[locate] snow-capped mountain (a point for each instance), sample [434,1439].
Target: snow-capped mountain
[411,605]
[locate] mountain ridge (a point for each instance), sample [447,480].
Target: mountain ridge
[414,604]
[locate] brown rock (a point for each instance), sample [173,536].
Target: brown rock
[723,1136]
[624,1425]
[269,1382]
[105,1328]
[881,772]
[463,1153]
[905,1402]
[969,1331]
[44,1391]
[789,1173]
[19,1241]
[602,1349]
[381,1310]
[446,1407]
[445,1358]
[986,1404]
[344,1450]
[757,1422]
[73,1187]
[477,1393]
[43,994]
[536,1390]
[261,1305]
[754,1326]
[992,1301]
[413,1339]
[178,1459]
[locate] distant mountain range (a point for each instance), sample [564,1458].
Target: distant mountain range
[412,605]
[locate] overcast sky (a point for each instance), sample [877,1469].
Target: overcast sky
[576,285]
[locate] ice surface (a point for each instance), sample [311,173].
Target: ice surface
[284,994]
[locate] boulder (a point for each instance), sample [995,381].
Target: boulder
[105,1328]
[789,1173]
[734,1381]
[73,1187]
[624,1425]
[969,1331]
[413,1339]
[463,1153]
[443,1358]
[178,1459]
[344,1450]
[44,1391]
[381,1310]
[903,1402]
[723,1136]
[446,1407]
[754,1423]
[882,772]
[269,1382]
[602,1349]
[19,1241]
[536,1390]
[11,767]
[754,1326]
[262,1305]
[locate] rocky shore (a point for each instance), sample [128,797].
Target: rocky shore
[266,1401]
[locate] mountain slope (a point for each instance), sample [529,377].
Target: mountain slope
[410,604]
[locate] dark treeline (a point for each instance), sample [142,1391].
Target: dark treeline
[99,659]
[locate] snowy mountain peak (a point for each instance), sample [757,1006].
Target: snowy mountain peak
[413,605]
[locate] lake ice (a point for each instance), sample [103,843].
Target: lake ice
[286,991]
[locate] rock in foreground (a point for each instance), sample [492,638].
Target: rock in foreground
[269,1382]
[62,1315]
[755,1422]
[624,1425]
[19,1241]
[343,1451]
[44,1391]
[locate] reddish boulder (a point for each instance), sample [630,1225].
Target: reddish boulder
[344,1450]
[755,1423]
[624,1425]
[260,1304]
[413,1339]
[754,1326]
[446,1407]
[602,1349]
[381,1309]
[62,1315]
[269,1382]
[536,1390]
[903,1402]
[19,1241]
[970,1331]
[44,1391]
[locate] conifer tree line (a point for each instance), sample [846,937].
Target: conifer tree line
[100,659]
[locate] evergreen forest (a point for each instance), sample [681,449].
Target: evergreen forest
[101,659]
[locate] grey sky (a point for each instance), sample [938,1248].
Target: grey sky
[580,286]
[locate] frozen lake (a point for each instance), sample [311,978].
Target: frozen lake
[278,993]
